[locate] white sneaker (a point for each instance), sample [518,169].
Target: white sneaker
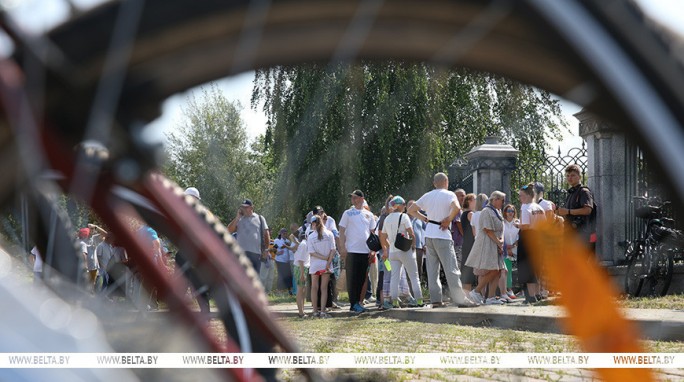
[493,301]
[371,299]
[475,296]
[504,297]
[467,303]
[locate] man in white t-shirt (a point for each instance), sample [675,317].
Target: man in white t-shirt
[355,227]
[441,207]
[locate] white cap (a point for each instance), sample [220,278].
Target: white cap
[192,191]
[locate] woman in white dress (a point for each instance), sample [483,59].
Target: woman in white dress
[485,257]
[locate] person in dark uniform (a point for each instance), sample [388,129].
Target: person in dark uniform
[579,206]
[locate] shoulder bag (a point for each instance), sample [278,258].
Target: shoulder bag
[373,241]
[401,242]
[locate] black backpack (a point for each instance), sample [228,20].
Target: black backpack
[590,221]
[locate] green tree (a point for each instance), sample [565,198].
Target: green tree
[387,127]
[210,150]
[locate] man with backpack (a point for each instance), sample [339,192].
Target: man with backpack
[253,235]
[579,210]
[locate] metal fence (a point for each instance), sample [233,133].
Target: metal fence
[550,171]
[641,182]
[466,183]
[637,185]
[460,176]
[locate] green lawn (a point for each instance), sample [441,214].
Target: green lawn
[667,302]
[383,335]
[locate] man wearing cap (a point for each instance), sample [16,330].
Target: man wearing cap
[185,267]
[194,192]
[355,226]
[441,207]
[252,233]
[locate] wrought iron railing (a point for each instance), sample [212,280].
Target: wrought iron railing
[460,176]
[635,179]
[641,182]
[550,171]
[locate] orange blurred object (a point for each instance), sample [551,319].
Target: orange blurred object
[589,296]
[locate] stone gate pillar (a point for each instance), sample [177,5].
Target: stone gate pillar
[492,164]
[606,157]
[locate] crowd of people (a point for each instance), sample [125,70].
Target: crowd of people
[459,245]
[109,271]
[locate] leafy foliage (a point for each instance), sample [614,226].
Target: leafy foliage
[11,229]
[210,151]
[387,127]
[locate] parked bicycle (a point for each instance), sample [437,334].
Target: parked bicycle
[650,258]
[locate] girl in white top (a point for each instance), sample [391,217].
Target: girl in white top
[511,230]
[302,260]
[321,248]
[531,214]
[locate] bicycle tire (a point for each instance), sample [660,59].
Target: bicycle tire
[542,31]
[548,52]
[633,282]
[658,281]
